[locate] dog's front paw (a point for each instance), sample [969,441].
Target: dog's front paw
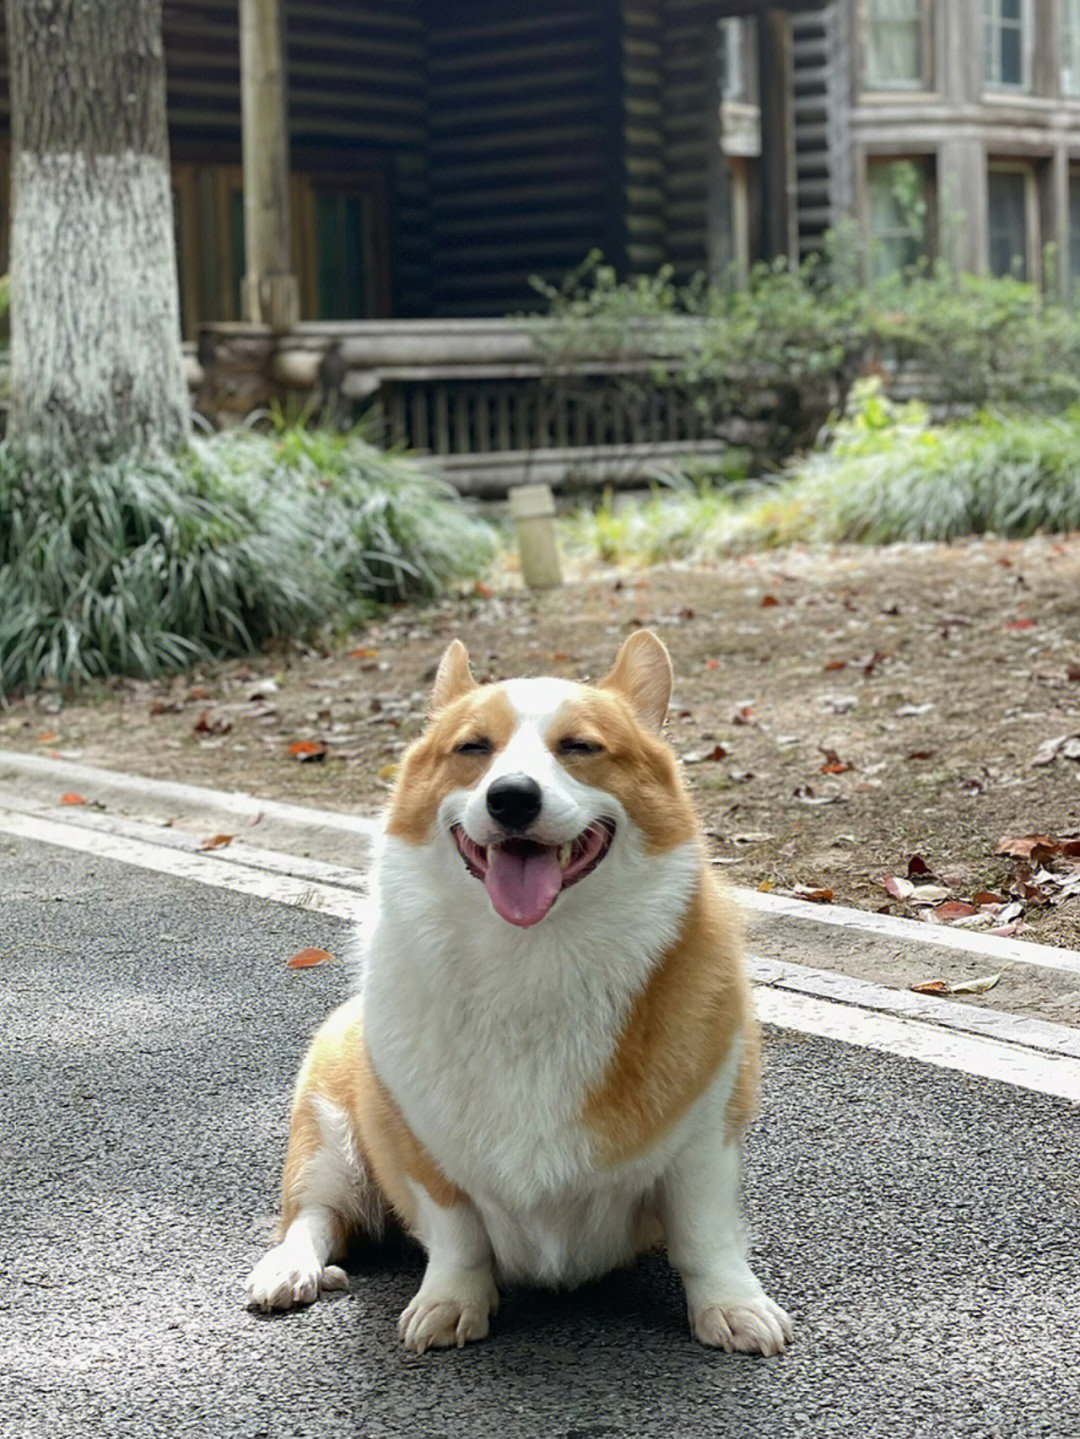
[749,1326]
[448,1316]
[283,1279]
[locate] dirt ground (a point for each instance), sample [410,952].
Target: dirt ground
[846,716]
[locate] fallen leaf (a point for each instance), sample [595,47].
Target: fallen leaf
[916,865]
[899,888]
[954,909]
[308,958]
[831,665]
[308,750]
[164,707]
[814,895]
[985,897]
[211,724]
[872,663]
[1036,847]
[72,798]
[1023,623]
[932,986]
[386,772]
[833,763]
[1072,672]
[929,893]
[712,664]
[698,756]
[921,754]
[49,737]
[743,715]
[768,602]
[484,591]
[975,986]
[217,841]
[364,652]
[198,693]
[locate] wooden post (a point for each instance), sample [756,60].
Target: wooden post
[270,292]
[778,198]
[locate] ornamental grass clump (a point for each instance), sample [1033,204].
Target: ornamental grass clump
[146,564]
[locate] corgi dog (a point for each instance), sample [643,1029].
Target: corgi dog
[552,1055]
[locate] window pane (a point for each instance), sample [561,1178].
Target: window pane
[1008,223]
[1011,59]
[897,194]
[1070,48]
[893,42]
[1074,232]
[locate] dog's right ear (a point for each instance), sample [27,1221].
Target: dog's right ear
[453,678]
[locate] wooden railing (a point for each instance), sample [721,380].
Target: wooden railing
[480,397]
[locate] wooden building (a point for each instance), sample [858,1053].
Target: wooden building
[442,154]
[944,127]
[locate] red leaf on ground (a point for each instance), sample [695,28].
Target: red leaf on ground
[712,664]
[307,750]
[217,841]
[815,896]
[932,986]
[198,693]
[768,601]
[743,715]
[833,763]
[984,897]
[916,865]
[954,909]
[364,652]
[308,958]
[1023,623]
[72,798]
[921,754]
[49,737]
[835,665]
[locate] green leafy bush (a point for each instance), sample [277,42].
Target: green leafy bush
[144,564]
[890,475]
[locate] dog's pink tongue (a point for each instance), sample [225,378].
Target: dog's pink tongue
[522,883]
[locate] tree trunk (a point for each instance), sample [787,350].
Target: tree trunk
[95,329]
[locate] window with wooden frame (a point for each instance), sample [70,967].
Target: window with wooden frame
[341,253]
[1070,49]
[896,44]
[1013,220]
[1007,44]
[899,194]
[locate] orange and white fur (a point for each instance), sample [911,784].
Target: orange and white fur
[551,1056]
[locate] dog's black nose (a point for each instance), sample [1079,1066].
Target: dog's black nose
[514,801]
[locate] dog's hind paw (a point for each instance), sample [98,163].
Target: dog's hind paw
[281,1280]
[751,1326]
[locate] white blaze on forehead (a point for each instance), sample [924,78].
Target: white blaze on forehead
[538,701]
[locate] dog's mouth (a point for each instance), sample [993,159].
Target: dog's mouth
[524,878]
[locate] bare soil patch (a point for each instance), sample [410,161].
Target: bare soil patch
[839,712]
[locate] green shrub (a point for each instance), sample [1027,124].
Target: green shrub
[144,564]
[903,479]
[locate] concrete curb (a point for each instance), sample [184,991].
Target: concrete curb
[323,834]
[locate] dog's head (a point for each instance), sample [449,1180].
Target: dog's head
[533,781]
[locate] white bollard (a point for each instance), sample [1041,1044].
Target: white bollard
[532,509]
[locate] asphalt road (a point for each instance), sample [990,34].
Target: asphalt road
[922,1227]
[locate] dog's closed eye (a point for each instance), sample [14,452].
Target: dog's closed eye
[475,744]
[574,745]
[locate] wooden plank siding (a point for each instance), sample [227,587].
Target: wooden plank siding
[519,150]
[690,91]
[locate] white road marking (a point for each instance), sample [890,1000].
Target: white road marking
[324,897]
[1029,1053]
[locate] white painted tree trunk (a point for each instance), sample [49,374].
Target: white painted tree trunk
[95,331]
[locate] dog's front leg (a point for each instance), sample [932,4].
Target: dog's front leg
[458,1296]
[727,1306]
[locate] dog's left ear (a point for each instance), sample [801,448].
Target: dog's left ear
[642,675]
[453,678]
